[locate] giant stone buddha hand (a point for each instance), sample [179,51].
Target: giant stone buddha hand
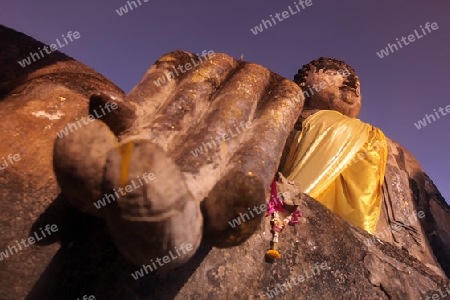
[212,136]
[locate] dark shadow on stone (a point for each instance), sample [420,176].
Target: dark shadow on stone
[439,253]
[71,223]
[88,263]
[166,286]
[440,249]
[68,274]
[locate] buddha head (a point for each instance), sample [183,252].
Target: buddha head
[330,84]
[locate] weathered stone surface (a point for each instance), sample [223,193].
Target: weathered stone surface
[35,103]
[224,124]
[87,262]
[92,265]
[414,215]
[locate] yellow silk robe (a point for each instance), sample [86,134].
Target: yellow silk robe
[340,161]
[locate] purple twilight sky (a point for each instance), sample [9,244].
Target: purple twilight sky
[398,89]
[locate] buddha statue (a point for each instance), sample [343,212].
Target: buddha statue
[360,174]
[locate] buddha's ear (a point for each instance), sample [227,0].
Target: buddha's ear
[113,110]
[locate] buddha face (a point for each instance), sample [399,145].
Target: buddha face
[332,89]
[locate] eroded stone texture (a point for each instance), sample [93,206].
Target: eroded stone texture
[224,123]
[35,103]
[353,269]
[414,215]
[404,208]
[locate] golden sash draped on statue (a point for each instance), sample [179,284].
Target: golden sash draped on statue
[340,161]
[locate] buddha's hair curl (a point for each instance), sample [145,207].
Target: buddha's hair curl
[326,63]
